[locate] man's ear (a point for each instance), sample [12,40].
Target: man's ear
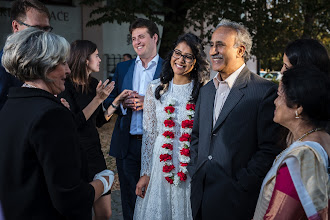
[15,25]
[155,37]
[240,51]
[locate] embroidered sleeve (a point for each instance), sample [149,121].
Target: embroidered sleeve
[149,131]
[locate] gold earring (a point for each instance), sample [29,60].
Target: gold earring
[297,116]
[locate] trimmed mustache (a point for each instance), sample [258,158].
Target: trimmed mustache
[217,56]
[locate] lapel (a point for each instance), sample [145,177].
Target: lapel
[158,68]
[234,96]
[209,103]
[128,78]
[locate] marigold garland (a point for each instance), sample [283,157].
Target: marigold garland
[184,149]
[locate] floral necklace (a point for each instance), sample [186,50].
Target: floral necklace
[185,138]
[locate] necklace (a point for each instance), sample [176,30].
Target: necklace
[308,133]
[184,140]
[26,85]
[299,139]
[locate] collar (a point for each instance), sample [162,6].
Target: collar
[230,80]
[154,61]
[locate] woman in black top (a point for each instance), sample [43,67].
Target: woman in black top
[40,159]
[85,95]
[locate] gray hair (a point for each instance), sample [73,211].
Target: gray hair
[31,54]
[243,36]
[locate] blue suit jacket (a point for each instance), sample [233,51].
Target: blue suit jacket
[6,81]
[123,78]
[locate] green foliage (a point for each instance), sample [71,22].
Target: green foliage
[124,11]
[272,23]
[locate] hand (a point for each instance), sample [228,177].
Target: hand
[121,97]
[65,103]
[103,90]
[134,101]
[142,185]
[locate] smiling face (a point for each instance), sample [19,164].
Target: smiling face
[58,76]
[144,45]
[93,62]
[286,64]
[225,57]
[182,66]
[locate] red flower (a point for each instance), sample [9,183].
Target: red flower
[187,123]
[169,123]
[169,109]
[168,134]
[168,146]
[190,107]
[169,179]
[167,168]
[185,152]
[165,157]
[185,137]
[182,176]
[183,164]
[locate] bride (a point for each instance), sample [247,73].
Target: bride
[164,187]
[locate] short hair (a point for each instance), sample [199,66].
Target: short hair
[79,54]
[243,36]
[308,87]
[19,8]
[308,52]
[145,23]
[128,55]
[200,74]
[31,54]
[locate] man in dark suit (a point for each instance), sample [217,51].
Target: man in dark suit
[233,138]
[23,15]
[134,75]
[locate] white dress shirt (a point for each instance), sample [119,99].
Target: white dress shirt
[141,79]
[223,89]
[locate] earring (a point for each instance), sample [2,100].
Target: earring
[297,116]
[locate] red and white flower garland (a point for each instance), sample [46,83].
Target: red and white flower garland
[184,149]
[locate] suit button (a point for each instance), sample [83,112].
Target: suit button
[214,134]
[210,157]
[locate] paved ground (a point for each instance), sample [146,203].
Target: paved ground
[105,136]
[117,213]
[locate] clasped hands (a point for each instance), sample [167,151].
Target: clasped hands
[134,101]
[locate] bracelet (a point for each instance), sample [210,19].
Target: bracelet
[114,106]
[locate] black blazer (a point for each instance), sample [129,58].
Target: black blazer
[231,159]
[40,160]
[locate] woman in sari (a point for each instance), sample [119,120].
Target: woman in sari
[297,186]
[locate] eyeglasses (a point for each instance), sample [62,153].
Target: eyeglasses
[189,58]
[45,28]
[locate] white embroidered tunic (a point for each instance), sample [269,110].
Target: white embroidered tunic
[163,201]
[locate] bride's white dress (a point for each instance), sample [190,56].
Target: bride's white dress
[163,200]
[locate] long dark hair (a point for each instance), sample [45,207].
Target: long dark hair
[308,87]
[79,53]
[308,52]
[200,73]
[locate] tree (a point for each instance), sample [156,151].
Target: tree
[272,23]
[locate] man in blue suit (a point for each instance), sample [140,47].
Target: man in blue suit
[134,75]
[24,14]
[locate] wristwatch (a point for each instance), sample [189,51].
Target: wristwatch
[115,106]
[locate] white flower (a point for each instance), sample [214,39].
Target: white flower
[176,180]
[170,174]
[172,101]
[184,159]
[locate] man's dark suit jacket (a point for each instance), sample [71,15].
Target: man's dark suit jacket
[123,78]
[230,160]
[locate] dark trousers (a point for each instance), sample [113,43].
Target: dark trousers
[129,174]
